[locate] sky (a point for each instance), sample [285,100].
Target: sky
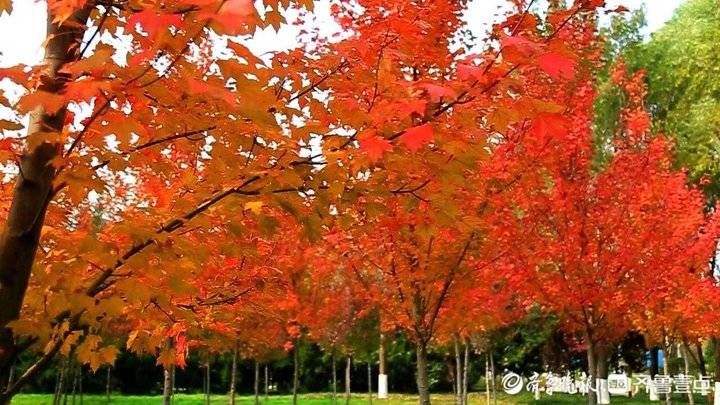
[22,33]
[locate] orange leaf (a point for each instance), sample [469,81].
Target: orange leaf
[375,146]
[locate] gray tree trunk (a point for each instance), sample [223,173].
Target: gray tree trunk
[107,384]
[458,372]
[207,385]
[422,374]
[666,371]
[686,360]
[466,369]
[348,366]
[257,382]
[233,376]
[592,373]
[296,373]
[492,381]
[267,382]
[487,378]
[334,378]
[167,386]
[369,370]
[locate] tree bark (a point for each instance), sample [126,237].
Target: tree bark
[369,370]
[61,387]
[75,383]
[334,378]
[11,376]
[233,376]
[296,372]
[382,373]
[493,388]
[33,189]
[592,373]
[207,386]
[701,359]
[80,387]
[422,374]
[686,360]
[167,386]
[466,369]
[348,366]
[666,371]
[267,382]
[603,370]
[257,382]
[458,372]
[381,355]
[107,384]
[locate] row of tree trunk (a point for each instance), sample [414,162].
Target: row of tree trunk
[68,383]
[169,383]
[462,366]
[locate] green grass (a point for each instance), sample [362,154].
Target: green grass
[198,399]
[326,399]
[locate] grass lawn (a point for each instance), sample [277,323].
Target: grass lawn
[326,399]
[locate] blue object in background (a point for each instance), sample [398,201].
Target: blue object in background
[661,360]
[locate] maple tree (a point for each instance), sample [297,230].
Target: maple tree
[610,244]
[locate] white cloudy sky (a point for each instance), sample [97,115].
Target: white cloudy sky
[22,33]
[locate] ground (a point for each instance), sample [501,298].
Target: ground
[325,399]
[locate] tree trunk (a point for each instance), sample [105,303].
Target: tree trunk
[369,367]
[207,386]
[33,191]
[493,388]
[701,359]
[334,378]
[686,360]
[348,366]
[382,374]
[423,385]
[57,386]
[167,386]
[487,378]
[666,371]
[80,387]
[75,383]
[257,382]
[296,372]
[592,374]
[458,372]
[60,390]
[466,369]
[107,384]
[11,375]
[603,370]
[172,384]
[267,383]
[233,376]
[716,345]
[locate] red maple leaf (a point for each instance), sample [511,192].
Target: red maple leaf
[557,65]
[417,137]
[375,146]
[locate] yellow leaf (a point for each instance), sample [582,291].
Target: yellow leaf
[254,206]
[131,338]
[108,354]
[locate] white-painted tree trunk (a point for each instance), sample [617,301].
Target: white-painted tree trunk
[382,376]
[382,386]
